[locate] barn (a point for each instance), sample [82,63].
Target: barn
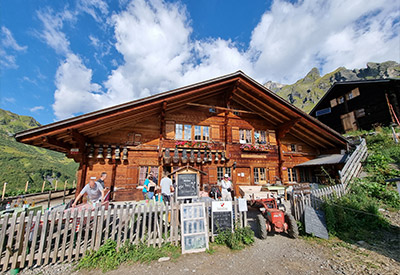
[227,125]
[360,105]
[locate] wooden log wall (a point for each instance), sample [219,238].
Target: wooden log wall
[146,147]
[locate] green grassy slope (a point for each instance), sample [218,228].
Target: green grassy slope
[20,163]
[306,92]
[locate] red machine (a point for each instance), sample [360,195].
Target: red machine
[271,219]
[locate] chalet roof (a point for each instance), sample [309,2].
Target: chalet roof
[325,160]
[344,86]
[237,87]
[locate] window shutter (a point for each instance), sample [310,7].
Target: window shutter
[235,134]
[333,102]
[272,137]
[299,148]
[355,92]
[212,175]
[170,129]
[215,134]
[271,175]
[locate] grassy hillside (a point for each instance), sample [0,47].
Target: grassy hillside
[20,163]
[306,92]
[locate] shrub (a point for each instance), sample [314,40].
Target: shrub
[108,257]
[354,216]
[237,240]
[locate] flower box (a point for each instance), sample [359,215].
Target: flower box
[257,147]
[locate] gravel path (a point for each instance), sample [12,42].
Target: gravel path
[276,255]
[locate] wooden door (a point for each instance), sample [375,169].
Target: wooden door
[349,122]
[126,183]
[241,176]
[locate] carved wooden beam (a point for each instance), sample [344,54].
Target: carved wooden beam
[56,143]
[221,108]
[284,128]
[229,94]
[162,120]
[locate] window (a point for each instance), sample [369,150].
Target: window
[304,175]
[201,133]
[292,176]
[323,112]
[340,100]
[352,94]
[221,171]
[293,148]
[349,96]
[259,176]
[245,136]
[178,131]
[260,137]
[188,132]
[145,170]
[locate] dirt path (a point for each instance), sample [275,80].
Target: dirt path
[276,255]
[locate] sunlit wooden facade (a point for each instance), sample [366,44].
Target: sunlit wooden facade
[230,124]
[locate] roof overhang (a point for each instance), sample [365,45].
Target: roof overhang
[325,160]
[238,87]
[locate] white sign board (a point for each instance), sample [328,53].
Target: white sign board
[194,228]
[220,206]
[242,205]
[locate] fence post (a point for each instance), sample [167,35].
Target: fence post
[44,182]
[4,191]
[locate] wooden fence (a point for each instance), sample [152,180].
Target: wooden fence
[353,165]
[314,199]
[32,240]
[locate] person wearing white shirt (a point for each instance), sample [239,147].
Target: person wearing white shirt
[226,186]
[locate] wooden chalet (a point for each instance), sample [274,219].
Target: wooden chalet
[354,105]
[227,125]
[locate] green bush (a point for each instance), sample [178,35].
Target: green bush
[109,258]
[236,240]
[354,216]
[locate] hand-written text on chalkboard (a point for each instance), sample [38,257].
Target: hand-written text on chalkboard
[222,221]
[187,185]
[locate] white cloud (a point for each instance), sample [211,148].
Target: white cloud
[154,39]
[7,57]
[9,41]
[52,29]
[293,38]
[75,91]
[7,100]
[36,108]
[91,6]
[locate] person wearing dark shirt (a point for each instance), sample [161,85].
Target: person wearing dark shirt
[103,176]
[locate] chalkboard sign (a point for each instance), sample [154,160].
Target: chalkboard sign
[222,221]
[187,186]
[315,222]
[194,228]
[221,216]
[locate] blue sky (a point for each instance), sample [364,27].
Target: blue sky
[64,58]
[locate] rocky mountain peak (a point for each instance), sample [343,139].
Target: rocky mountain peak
[312,75]
[307,91]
